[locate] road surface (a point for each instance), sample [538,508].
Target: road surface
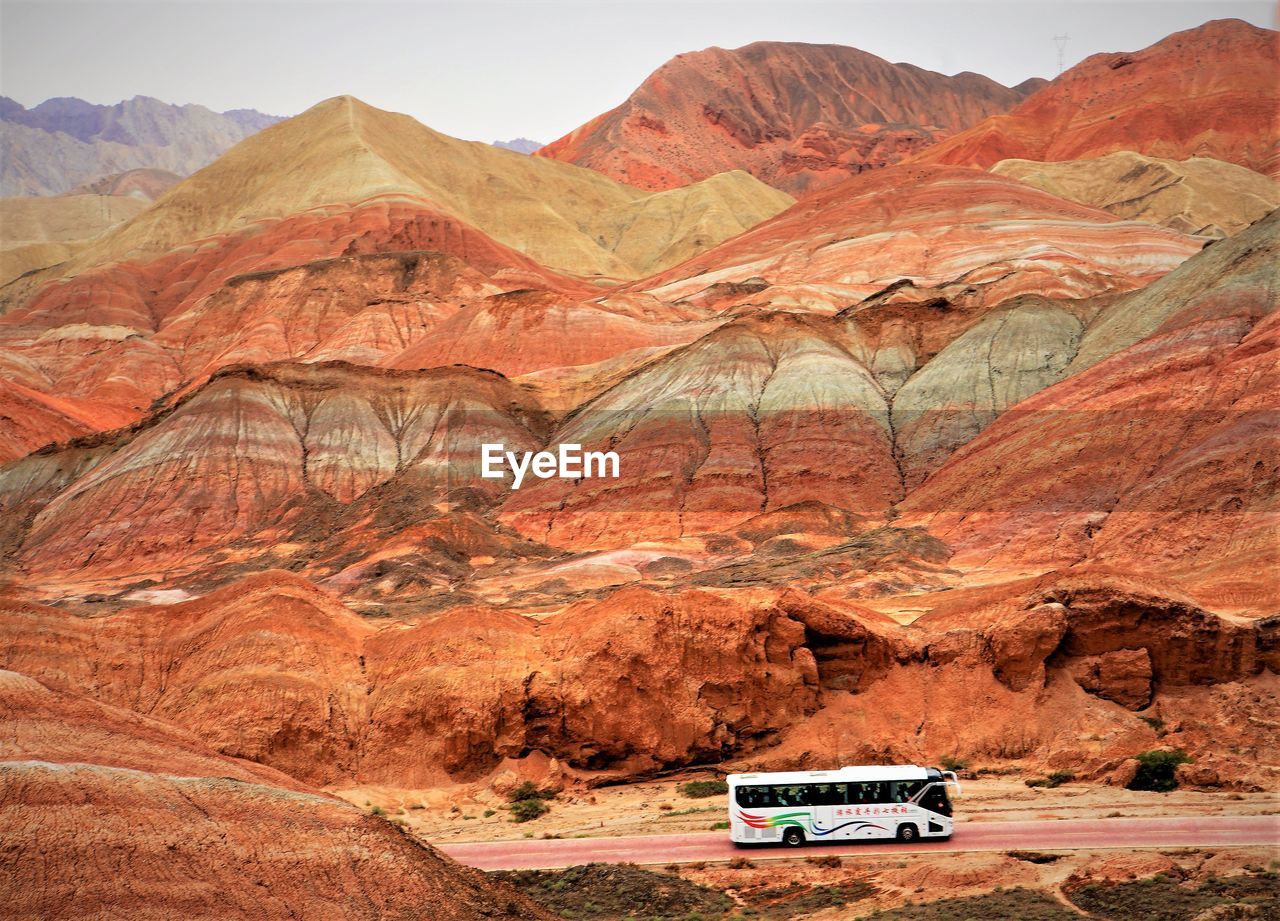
[1044,835]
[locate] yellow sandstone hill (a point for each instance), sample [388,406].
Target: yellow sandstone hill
[1200,195]
[36,232]
[343,151]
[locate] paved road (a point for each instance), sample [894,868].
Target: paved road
[1045,835]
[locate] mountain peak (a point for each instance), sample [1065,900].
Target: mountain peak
[797,116]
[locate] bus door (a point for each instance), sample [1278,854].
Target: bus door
[823,800]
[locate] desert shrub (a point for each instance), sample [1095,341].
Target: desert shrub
[526,810]
[489,812]
[1155,723]
[1163,899]
[740,863]
[529,790]
[951,763]
[701,789]
[378,811]
[1157,770]
[607,892]
[719,826]
[1056,779]
[826,861]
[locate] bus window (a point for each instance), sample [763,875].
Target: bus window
[754,797]
[791,796]
[935,800]
[903,790]
[826,794]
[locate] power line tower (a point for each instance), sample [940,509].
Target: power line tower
[1061,42]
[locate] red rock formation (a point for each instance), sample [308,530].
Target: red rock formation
[258,453]
[124,334]
[1159,458]
[935,226]
[171,829]
[528,331]
[761,414]
[1212,91]
[800,117]
[29,418]
[275,670]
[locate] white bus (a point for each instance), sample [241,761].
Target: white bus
[866,803]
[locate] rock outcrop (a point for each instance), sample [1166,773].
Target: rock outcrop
[763,413]
[258,453]
[274,670]
[277,671]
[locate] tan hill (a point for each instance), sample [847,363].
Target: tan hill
[799,116]
[146,184]
[343,151]
[1197,196]
[39,232]
[66,142]
[36,232]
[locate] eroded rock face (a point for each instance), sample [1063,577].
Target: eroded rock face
[764,413]
[800,117]
[1010,354]
[635,682]
[1208,91]
[1123,676]
[256,452]
[172,828]
[1150,460]
[277,671]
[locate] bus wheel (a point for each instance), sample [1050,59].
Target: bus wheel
[907,833]
[793,837]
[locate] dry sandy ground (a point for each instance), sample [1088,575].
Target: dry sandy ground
[898,880]
[656,807]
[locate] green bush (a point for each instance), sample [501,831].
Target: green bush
[701,789]
[526,810]
[1157,770]
[529,790]
[951,763]
[1056,779]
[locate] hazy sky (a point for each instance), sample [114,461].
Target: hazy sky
[484,70]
